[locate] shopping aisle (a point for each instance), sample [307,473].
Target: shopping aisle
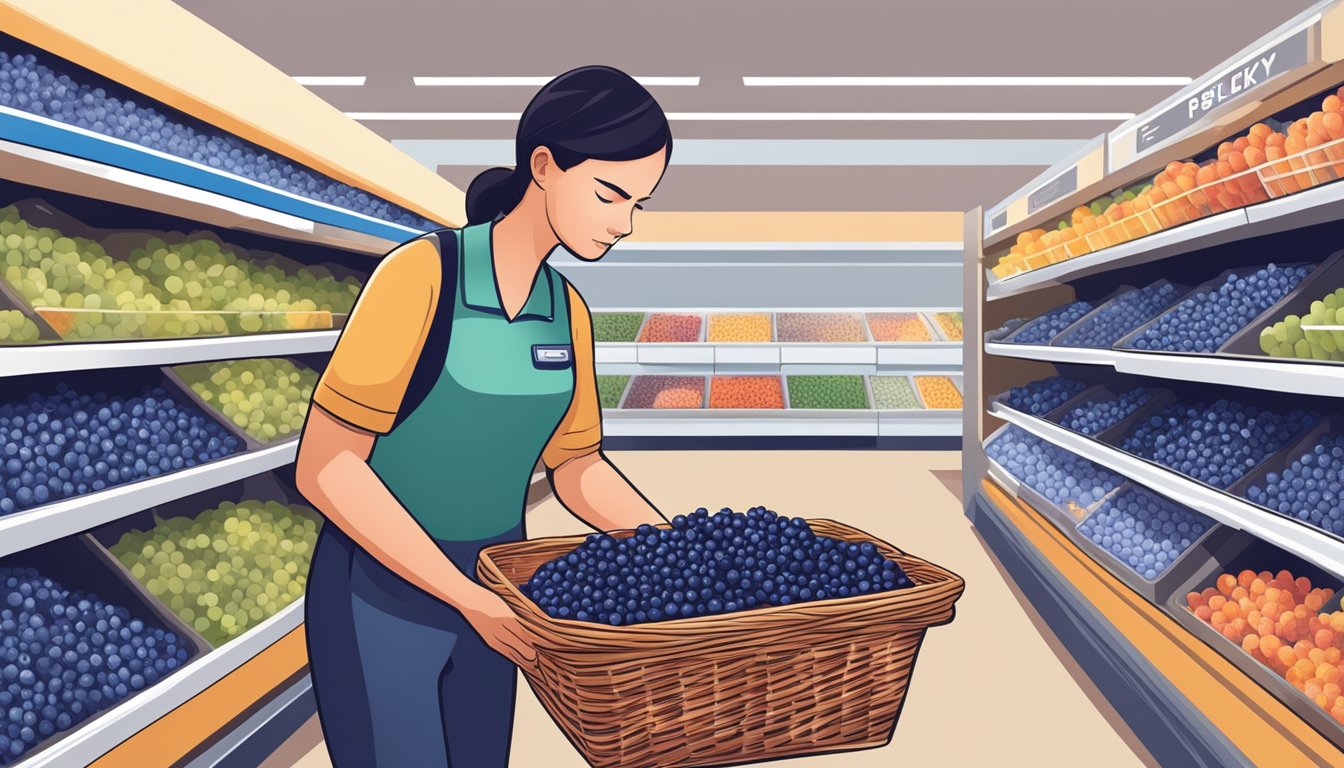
[981,684]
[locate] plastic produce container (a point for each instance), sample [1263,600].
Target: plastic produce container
[1204,547]
[951,325]
[820,327]
[1098,395]
[274,486]
[740,327]
[1333,426]
[1037,325]
[671,328]
[79,564]
[1325,279]
[1127,343]
[894,393]
[610,390]
[899,327]
[200,371]
[1106,310]
[682,392]
[617,327]
[746,392]
[1245,552]
[939,392]
[827,392]
[1065,514]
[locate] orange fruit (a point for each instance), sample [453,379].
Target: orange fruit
[1332,103]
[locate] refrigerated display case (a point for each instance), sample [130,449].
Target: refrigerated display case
[1214,214]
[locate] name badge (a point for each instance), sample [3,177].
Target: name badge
[552,357]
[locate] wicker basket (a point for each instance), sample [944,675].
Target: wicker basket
[765,683]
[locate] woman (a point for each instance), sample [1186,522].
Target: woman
[466,358]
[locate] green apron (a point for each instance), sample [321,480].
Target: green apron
[461,462]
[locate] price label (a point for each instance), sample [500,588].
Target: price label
[1064,184]
[999,221]
[1251,73]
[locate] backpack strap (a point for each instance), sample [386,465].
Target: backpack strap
[434,353]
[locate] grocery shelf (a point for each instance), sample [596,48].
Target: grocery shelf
[1303,378]
[1203,233]
[52,154]
[103,733]
[728,358]
[24,360]
[1308,543]
[782,423]
[22,530]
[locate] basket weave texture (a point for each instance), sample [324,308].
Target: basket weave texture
[823,676]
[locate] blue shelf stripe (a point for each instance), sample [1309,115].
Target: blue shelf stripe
[35,133]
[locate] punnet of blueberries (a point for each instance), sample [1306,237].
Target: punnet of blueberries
[69,443]
[1041,397]
[1217,443]
[1047,326]
[1118,318]
[1144,531]
[706,565]
[1207,318]
[43,85]
[1062,477]
[66,656]
[1310,488]
[1097,415]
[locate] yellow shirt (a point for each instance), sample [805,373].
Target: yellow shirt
[371,366]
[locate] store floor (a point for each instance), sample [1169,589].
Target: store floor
[989,689]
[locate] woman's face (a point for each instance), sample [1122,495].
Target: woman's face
[593,204]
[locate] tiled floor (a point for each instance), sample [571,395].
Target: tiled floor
[988,690]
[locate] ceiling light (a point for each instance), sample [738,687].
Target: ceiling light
[965,81]
[988,117]
[324,80]
[539,81]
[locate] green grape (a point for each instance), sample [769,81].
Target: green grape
[256,395]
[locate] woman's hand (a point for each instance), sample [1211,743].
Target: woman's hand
[497,624]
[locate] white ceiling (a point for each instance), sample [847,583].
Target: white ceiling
[741,164]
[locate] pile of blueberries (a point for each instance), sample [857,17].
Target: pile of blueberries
[706,565]
[35,87]
[1216,443]
[1310,489]
[1047,326]
[66,656]
[1122,315]
[1207,318]
[1097,415]
[1041,397]
[1051,471]
[66,444]
[1143,530]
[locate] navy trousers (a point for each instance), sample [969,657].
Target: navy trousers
[401,679]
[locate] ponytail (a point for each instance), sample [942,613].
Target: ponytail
[494,192]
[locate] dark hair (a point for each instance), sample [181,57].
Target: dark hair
[589,113]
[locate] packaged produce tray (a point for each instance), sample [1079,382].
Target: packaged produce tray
[850,327]
[1325,279]
[727,688]
[269,486]
[1206,548]
[1029,323]
[997,335]
[1064,519]
[1245,552]
[1332,425]
[1103,394]
[79,564]
[956,382]
[184,390]
[1001,400]
[929,328]
[724,394]
[720,316]
[10,300]
[1105,305]
[1127,343]
[313,363]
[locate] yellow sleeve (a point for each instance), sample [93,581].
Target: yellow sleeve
[580,431]
[371,366]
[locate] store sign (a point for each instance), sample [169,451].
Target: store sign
[999,221]
[1065,183]
[1253,71]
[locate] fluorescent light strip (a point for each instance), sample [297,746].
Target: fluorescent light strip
[964,81]
[324,80]
[537,81]
[986,117]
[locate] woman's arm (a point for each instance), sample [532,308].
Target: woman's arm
[594,491]
[332,471]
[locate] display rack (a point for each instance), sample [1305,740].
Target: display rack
[1202,709]
[189,709]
